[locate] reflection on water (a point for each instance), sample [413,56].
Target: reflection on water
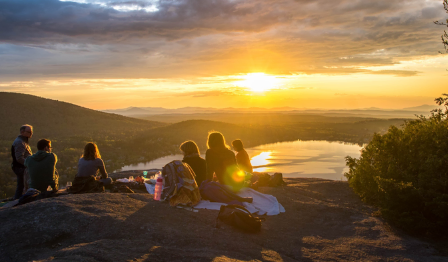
[321,159]
[261,159]
[155,164]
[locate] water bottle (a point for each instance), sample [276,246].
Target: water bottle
[158,189]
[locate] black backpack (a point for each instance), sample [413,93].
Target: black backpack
[239,217]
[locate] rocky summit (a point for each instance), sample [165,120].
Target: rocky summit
[324,221]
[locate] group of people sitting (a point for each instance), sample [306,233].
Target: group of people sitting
[220,162]
[38,171]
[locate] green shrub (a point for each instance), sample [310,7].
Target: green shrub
[405,173]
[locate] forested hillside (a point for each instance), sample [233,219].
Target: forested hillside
[123,140]
[68,126]
[51,118]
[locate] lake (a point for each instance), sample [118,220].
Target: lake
[320,159]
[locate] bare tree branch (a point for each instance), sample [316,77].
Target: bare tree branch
[445,35]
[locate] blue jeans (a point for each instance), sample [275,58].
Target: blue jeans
[19,171]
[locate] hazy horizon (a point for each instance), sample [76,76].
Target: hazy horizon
[273,108]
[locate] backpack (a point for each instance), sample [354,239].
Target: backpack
[179,184]
[277,180]
[239,217]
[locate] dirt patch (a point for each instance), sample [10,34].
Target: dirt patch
[324,221]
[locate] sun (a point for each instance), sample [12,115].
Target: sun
[259,82]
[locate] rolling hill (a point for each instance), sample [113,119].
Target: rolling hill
[69,127]
[124,140]
[121,140]
[197,130]
[56,119]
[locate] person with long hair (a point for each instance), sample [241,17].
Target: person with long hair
[221,161]
[242,158]
[90,163]
[194,160]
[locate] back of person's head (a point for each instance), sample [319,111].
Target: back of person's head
[189,147]
[43,143]
[24,127]
[91,152]
[237,144]
[216,140]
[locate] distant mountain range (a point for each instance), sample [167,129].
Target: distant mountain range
[132,111]
[409,112]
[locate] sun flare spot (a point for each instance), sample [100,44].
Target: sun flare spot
[259,82]
[238,176]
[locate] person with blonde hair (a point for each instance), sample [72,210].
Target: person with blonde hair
[220,160]
[90,163]
[193,158]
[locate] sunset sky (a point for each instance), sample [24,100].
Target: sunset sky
[225,53]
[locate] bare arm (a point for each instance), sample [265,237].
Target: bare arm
[102,170]
[55,183]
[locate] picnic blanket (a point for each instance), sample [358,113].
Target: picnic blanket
[217,192]
[262,203]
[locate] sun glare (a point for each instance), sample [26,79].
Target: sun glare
[259,82]
[261,159]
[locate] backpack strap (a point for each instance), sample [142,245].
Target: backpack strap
[243,208]
[239,207]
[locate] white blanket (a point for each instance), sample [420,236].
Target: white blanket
[262,203]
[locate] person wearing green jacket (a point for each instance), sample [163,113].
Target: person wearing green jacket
[42,167]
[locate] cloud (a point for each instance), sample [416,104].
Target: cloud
[208,92]
[395,72]
[99,22]
[195,38]
[299,88]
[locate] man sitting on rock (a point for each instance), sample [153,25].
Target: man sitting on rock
[42,167]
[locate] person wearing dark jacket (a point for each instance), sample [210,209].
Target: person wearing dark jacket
[221,161]
[242,158]
[20,150]
[42,167]
[194,160]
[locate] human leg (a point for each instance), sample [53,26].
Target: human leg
[20,181]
